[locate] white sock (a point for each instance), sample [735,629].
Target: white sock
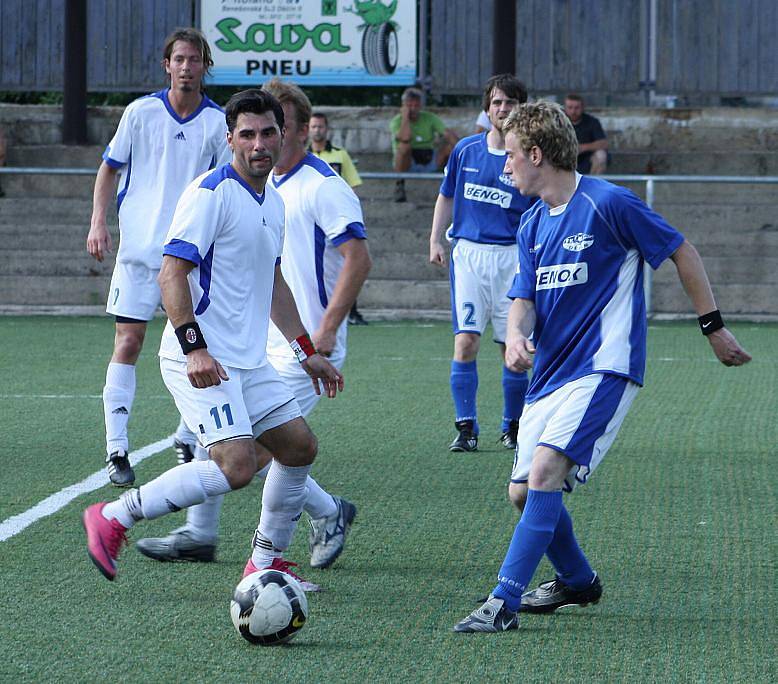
[318,503]
[282,503]
[118,395]
[185,435]
[202,520]
[174,490]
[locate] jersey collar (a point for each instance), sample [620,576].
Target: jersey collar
[163,95]
[232,173]
[282,179]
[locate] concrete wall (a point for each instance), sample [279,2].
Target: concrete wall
[44,219]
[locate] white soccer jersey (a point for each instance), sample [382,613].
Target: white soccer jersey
[235,238]
[322,212]
[158,155]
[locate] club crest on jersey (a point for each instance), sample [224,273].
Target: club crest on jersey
[505,179]
[191,335]
[483,193]
[561,275]
[578,242]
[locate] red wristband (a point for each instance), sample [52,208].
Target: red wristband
[302,347]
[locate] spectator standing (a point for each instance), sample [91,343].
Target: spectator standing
[592,143]
[421,143]
[340,160]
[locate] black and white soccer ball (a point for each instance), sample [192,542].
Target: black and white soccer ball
[268,607]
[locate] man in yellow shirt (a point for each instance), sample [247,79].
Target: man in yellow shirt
[339,159]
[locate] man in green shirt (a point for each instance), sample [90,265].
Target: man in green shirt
[421,143]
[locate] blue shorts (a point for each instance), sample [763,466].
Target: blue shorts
[580,419]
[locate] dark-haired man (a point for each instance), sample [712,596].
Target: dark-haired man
[485,208]
[164,140]
[221,284]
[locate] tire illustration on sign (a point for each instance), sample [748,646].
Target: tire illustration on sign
[379,36]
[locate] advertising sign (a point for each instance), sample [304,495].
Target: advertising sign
[311,42]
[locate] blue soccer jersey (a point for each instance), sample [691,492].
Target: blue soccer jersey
[487,206]
[582,266]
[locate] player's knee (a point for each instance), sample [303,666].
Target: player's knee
[301,452]
[466,347]
[128,344]
[517,493]
[238,465]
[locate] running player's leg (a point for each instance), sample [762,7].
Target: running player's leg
[231,466]
[579,423]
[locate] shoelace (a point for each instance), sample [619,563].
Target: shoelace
[114,543]
[285,566]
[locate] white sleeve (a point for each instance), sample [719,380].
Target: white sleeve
[337,211]
[117,154]
[195,223]
[483,121]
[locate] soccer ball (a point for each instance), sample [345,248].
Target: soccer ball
[268,607]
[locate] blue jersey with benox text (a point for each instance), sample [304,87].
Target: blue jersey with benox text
[583,269]
[487,206]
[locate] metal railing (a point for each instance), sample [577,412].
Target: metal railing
[649,180]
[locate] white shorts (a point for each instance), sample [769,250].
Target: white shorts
[481,276]
[581,419]
[134,292]
[249,403]
[297,380]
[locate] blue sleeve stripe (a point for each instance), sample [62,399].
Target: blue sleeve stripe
[113,163]
[205,282]
[354,230]
[183,250]
[278,261]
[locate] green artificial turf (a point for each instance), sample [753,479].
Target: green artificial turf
[679,521]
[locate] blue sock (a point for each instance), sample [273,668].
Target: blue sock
[566,556]
[530,540]
[464,385]
[514,388]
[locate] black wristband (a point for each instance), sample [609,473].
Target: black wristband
[711,322]
[190,337]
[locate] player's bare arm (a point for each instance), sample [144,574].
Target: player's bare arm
[284,313]
[356,266]
[98,241]
[694,279]
[519,349]
[201,368]
[441,220]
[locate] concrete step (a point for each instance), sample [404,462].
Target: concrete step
[399,238]
[36,290]
[404,294]
[56,238]
[64,210]
[48,186]
[729,270]
[754,298]
[48,262]
[393,265]
[77,156]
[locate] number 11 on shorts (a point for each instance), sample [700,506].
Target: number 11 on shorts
[226,410]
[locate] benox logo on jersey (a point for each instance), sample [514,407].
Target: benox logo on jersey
[483,193]
[578,242]
[561,275]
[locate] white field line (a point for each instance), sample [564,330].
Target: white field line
[51,504]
